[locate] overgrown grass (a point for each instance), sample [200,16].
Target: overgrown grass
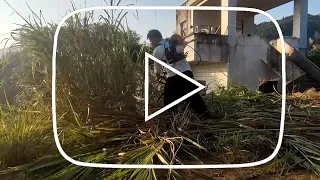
[100,111]
[24,135]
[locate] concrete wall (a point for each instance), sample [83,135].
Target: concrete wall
[212,48]
[196,18]
[295,57]
[190,48]
[253,59]
[181,16]
[245,65]
[274,60]
[210,18]
[300,23]
[214,19]
[291,42]
[213,73]
[248,21]
[228,21]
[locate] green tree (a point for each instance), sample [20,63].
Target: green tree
[268,31]
[314,54]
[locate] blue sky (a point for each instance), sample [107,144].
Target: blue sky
[163,20]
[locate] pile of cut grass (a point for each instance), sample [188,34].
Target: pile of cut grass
[247,132]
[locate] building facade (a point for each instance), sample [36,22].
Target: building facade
[223,48]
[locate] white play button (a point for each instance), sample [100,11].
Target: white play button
[146,87]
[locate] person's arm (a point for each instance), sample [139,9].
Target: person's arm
[183,42]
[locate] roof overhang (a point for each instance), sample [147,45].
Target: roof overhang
[264,5]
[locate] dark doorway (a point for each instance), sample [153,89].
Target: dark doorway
[268,86]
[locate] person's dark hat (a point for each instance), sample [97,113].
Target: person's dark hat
[154,33]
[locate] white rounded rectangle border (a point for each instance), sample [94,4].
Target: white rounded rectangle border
[136,166]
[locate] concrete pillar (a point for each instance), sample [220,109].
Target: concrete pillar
[300,23]
[229,27]
[229,21]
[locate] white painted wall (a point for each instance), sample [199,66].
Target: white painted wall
[215,74]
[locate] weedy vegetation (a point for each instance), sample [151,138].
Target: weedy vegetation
[100,111]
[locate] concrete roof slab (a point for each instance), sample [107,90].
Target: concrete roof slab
[264,5]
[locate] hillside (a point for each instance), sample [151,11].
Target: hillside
[267,30]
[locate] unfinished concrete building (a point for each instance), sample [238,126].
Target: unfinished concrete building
[229,51]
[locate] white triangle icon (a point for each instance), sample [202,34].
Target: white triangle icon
[146,87]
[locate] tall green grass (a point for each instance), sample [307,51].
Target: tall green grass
[100,68]
[23,137]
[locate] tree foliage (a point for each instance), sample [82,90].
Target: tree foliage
[267,30]
[314,55]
